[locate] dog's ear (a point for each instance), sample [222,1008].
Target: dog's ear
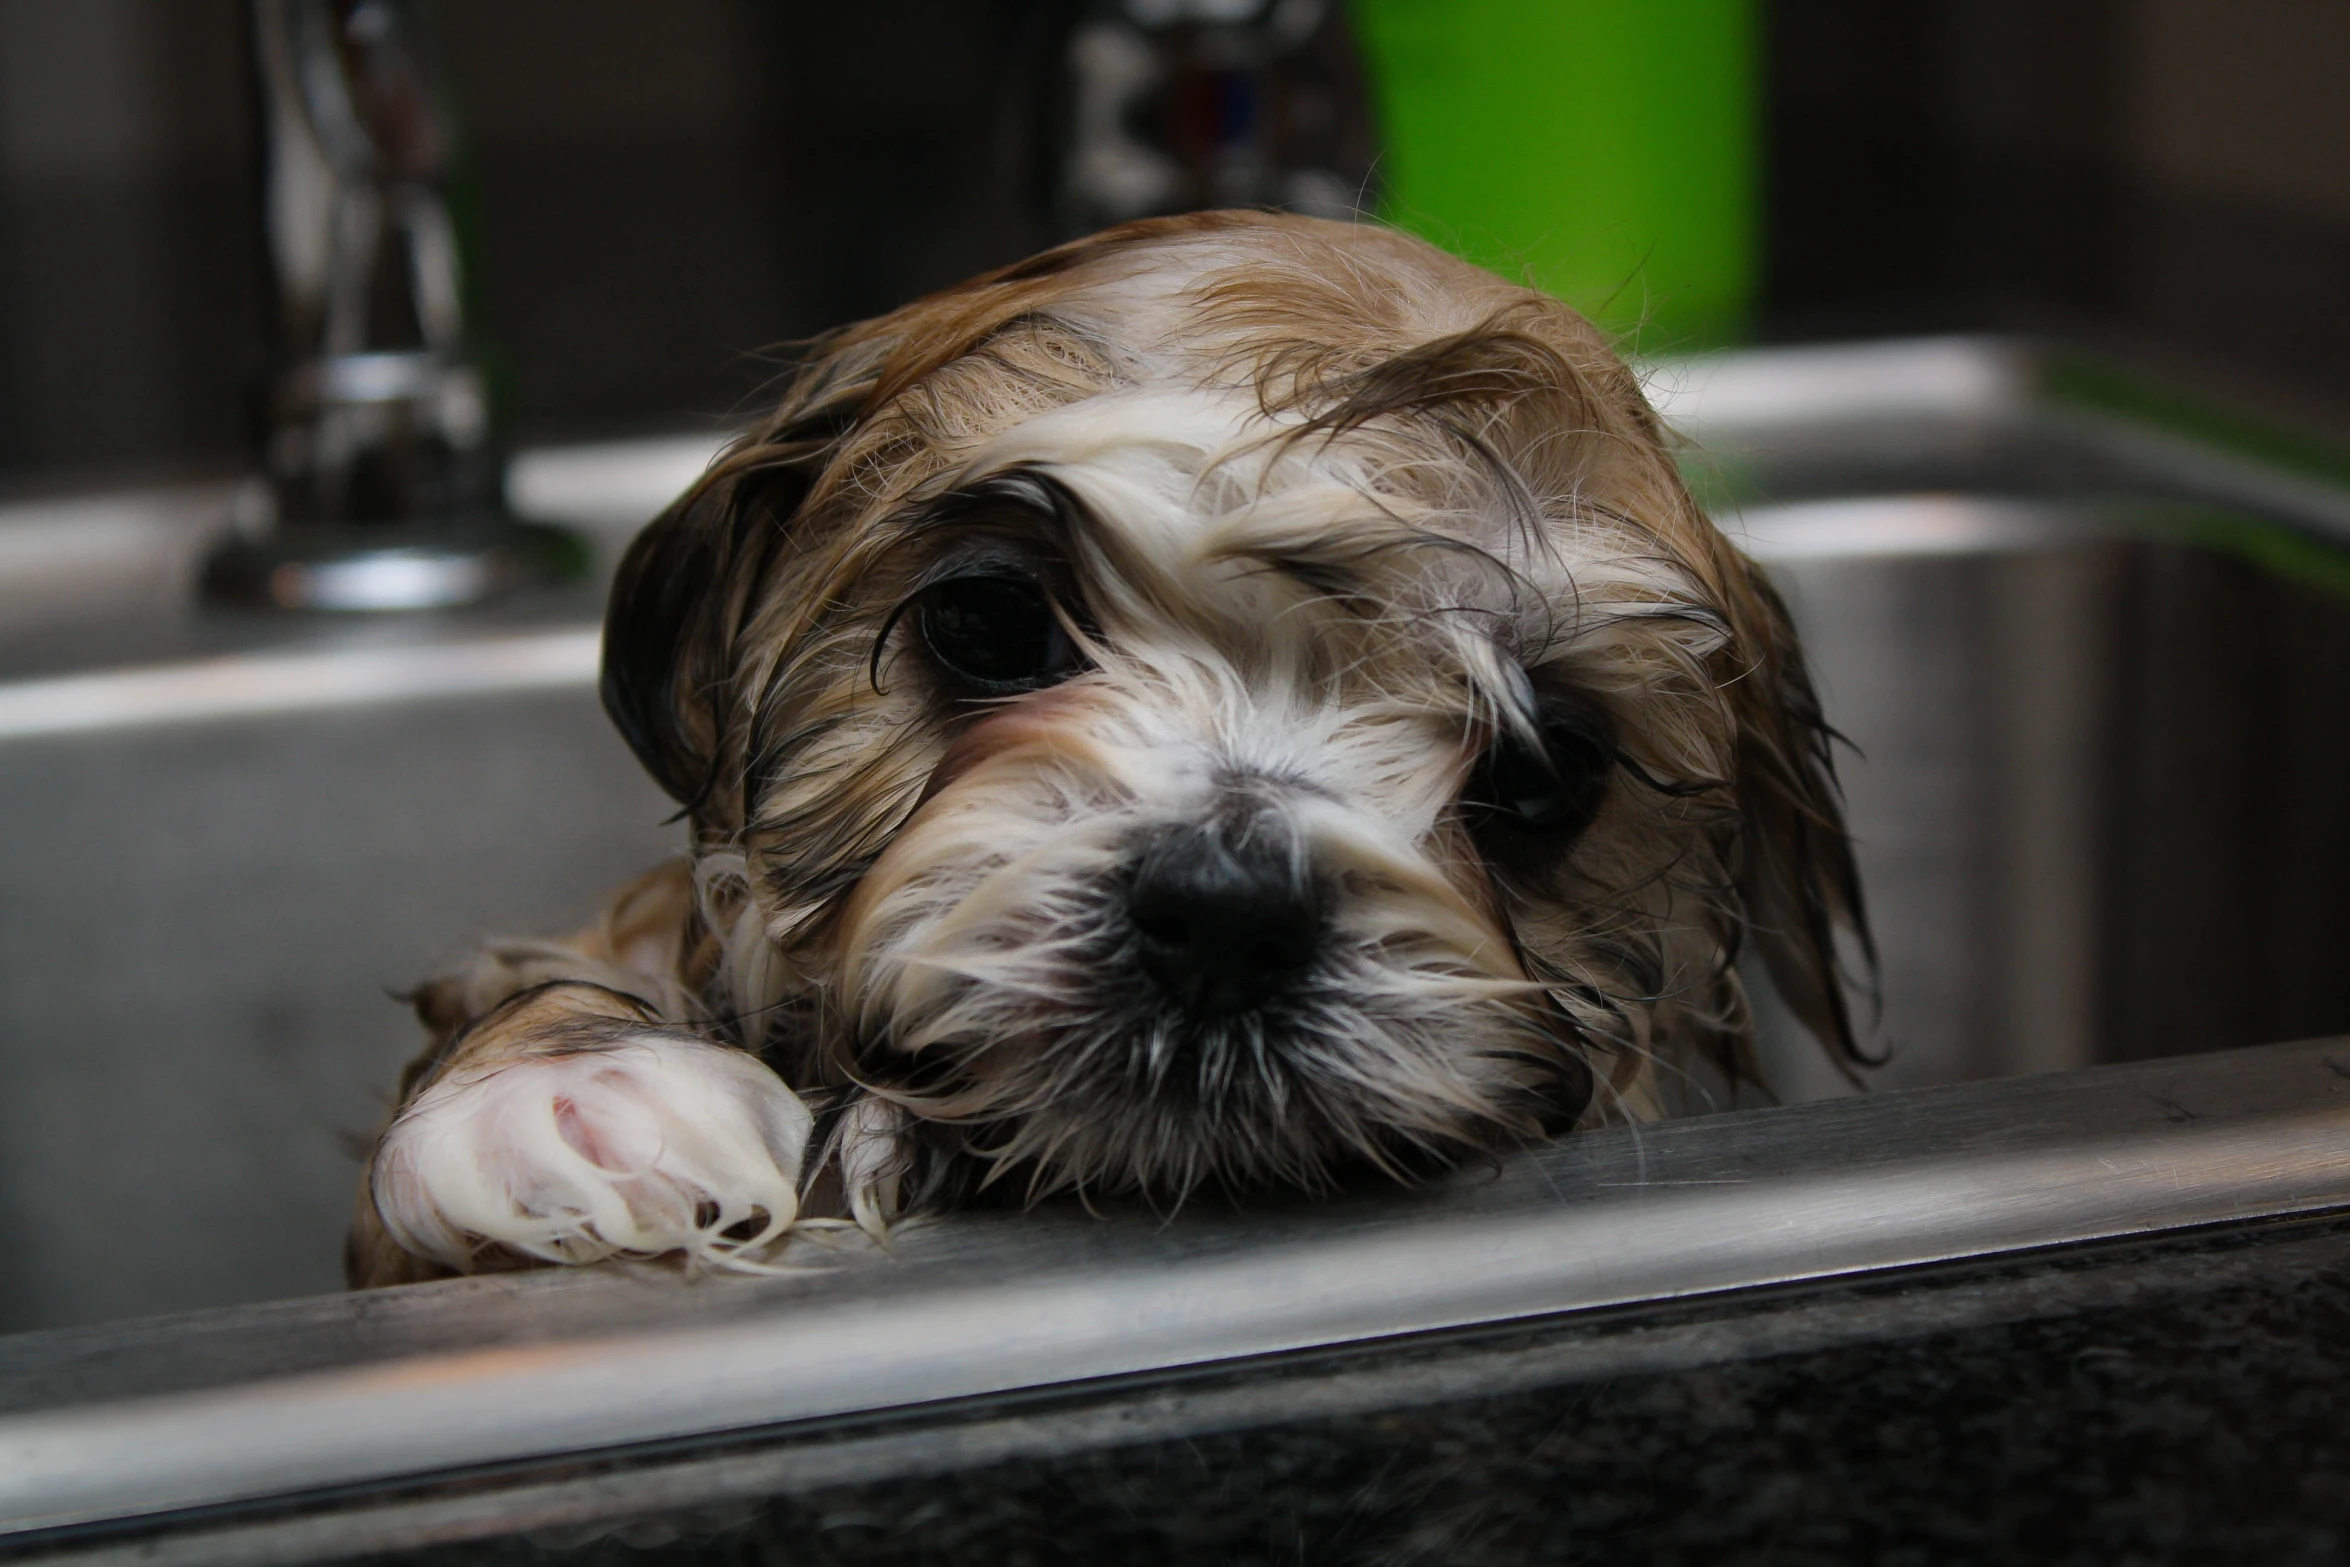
[1795,870]
[689,582]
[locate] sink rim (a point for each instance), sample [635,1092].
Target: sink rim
[434,659]
[559,1366]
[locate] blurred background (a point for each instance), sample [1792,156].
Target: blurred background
[653,196]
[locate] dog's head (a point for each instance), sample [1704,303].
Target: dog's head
[1228,700]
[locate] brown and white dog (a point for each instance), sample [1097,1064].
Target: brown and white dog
[1234,701]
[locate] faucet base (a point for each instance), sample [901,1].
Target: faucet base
[374,568]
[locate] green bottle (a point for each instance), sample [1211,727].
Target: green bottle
[1604,150]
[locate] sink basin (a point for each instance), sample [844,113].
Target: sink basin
[2094,675]
[2095,772]
[207,918]
[2096,776]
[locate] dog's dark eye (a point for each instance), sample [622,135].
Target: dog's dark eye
[1554,788]
[999,634]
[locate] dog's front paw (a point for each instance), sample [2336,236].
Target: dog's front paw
[653,1144]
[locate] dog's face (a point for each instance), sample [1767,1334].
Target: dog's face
[1233,700]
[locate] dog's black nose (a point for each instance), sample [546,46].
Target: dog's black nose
[1223,918]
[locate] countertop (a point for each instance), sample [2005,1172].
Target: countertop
[2179,1401]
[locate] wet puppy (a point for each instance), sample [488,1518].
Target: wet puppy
[1237,701]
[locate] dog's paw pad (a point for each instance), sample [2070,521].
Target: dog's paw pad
[657,1144]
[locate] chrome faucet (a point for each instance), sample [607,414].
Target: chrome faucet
[381,481]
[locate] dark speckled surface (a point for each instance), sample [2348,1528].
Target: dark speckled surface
[2177,1401]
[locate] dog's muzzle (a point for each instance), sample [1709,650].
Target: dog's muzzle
[1226,915]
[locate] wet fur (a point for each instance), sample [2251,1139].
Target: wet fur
[1329,511]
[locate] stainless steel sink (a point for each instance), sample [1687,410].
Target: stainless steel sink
[229,853]
[2094,776]
[206,920]
[2098,767]
[2095,674]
